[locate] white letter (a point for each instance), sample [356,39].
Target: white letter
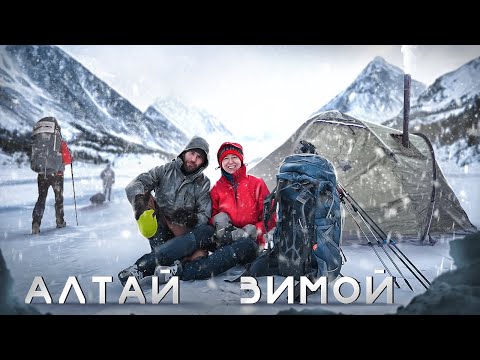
[387,283]
[250,283]
[131,281]
[173,283]
[339,283]
[102,290]
[43,292]
[288,282]
[72,281]
[305,282]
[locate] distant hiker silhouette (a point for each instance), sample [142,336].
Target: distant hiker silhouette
[108,177]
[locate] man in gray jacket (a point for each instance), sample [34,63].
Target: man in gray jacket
[175,221]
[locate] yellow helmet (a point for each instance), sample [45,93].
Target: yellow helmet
[147,223]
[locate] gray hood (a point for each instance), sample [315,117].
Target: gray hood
[197,142]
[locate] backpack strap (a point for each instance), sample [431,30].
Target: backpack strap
[303,198]
[270,203]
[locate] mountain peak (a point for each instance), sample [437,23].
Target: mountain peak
[190,119]
[452,90]
[379,60]
[44,80]
[380,64]
[376,94]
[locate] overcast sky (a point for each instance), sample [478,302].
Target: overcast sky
[262,90]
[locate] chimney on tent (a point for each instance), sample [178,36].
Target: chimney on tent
[406,108]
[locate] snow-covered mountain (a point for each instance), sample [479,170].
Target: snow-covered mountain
[191,120]
[43,80]
[448,112]
[376,94]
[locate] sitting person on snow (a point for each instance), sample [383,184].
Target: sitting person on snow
[237,209]
[175,221]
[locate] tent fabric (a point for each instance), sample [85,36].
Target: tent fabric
[393,184]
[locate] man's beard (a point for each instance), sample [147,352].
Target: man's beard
[190,168]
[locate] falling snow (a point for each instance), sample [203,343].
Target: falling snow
[106,240]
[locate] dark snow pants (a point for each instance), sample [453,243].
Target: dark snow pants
[44,182]
[166,252]
[240,252]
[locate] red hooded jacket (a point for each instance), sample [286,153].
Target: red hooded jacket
[243,202]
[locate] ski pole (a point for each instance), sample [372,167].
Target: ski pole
[379,243]
[74,198]
[396,254]
[369,242]
[364,215]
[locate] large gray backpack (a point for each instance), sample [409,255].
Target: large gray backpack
[46,147]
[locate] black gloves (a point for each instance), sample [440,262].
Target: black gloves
[140,204]
[184,217]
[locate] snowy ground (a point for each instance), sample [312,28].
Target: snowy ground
[106,240]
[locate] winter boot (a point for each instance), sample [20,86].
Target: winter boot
[130,271]
[165,273]
[35,228]
[61,225]
[146,264]
[143,267]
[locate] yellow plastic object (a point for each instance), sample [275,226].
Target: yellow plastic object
[147,223]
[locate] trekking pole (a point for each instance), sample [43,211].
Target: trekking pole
[379,243]
[384,236]
[403,262]
[363,214]
[386,253]
[74,198]
[368,240]
[396,254]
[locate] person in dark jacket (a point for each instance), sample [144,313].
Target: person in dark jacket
[55,180]
[237,210]
[175,221]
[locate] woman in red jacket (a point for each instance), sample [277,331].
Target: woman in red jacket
[237,199]
[237,214]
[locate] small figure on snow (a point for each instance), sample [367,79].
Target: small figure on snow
[108,177]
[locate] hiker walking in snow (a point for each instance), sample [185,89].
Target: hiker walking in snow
[237,209]
[108,177]
[50,154]
[176,221]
